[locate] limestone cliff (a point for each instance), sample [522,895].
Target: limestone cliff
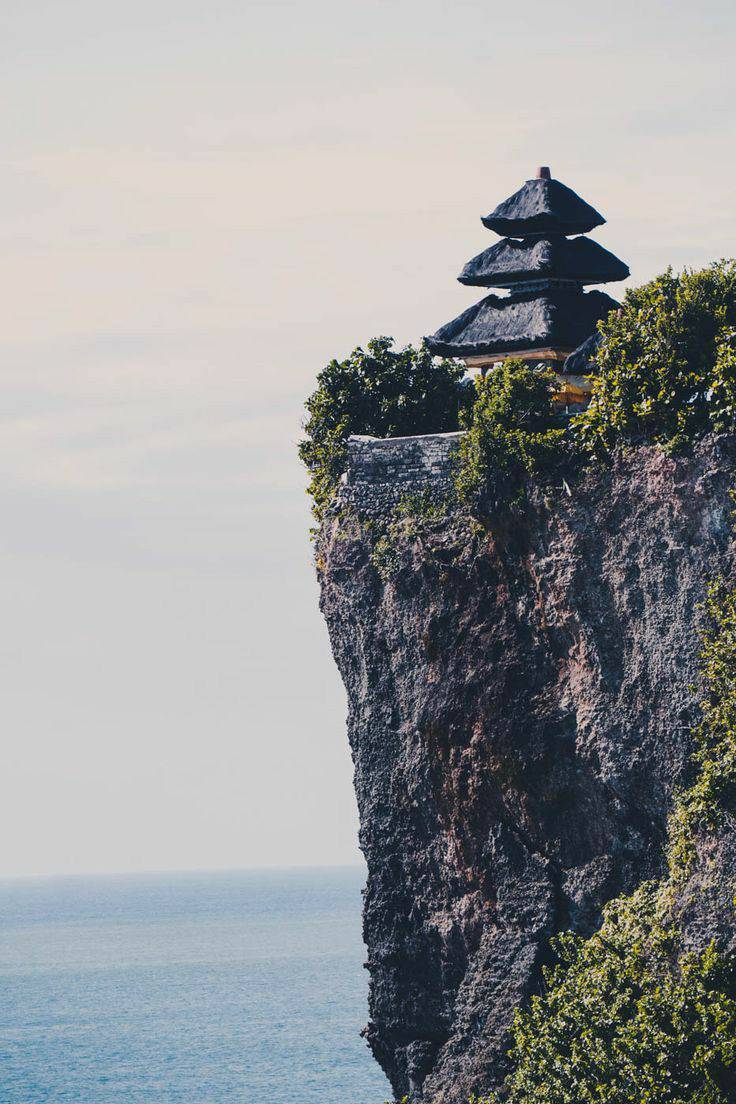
[520,703]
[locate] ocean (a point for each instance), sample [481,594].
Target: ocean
[204,988]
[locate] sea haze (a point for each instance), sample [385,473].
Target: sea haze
[203,988]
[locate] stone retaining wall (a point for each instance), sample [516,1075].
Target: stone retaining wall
[382,470]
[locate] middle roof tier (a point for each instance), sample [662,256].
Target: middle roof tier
[510,262]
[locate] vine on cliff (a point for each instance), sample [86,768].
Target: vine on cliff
[702,806]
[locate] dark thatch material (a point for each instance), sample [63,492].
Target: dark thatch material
[543,207]
[579,361]
[559,318]
[510,262]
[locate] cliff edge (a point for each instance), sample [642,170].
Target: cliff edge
[520,703]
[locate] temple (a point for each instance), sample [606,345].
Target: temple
[546,316]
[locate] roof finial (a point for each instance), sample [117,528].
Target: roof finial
[543,173]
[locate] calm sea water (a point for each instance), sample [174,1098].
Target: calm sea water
[194,988]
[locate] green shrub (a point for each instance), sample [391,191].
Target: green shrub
[381,392]
[667,363]
[624,1021]
[512,429]
[427,505]
[385,555]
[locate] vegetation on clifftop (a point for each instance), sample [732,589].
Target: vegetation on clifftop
[666,367]
[382,392]
[665,372]
[511,428]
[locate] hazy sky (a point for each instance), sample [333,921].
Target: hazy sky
[201,204]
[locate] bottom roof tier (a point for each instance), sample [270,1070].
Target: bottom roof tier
[558,318]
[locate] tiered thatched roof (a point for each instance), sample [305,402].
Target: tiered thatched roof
[545,272]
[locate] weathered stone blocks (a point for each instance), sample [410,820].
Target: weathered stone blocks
[381,471]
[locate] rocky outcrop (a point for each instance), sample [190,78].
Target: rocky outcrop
[520,705]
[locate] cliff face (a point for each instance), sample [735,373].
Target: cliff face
[520,704]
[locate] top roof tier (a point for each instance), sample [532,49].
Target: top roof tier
[543,206]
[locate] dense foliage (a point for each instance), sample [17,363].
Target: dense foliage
[382,392]
[667,362]
[511,428]
[626,1018]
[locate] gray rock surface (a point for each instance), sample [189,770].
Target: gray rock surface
[520,704]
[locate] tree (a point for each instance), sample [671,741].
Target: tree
[667,362]
[512,428]
[381,392]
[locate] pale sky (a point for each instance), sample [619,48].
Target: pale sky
[201,204]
